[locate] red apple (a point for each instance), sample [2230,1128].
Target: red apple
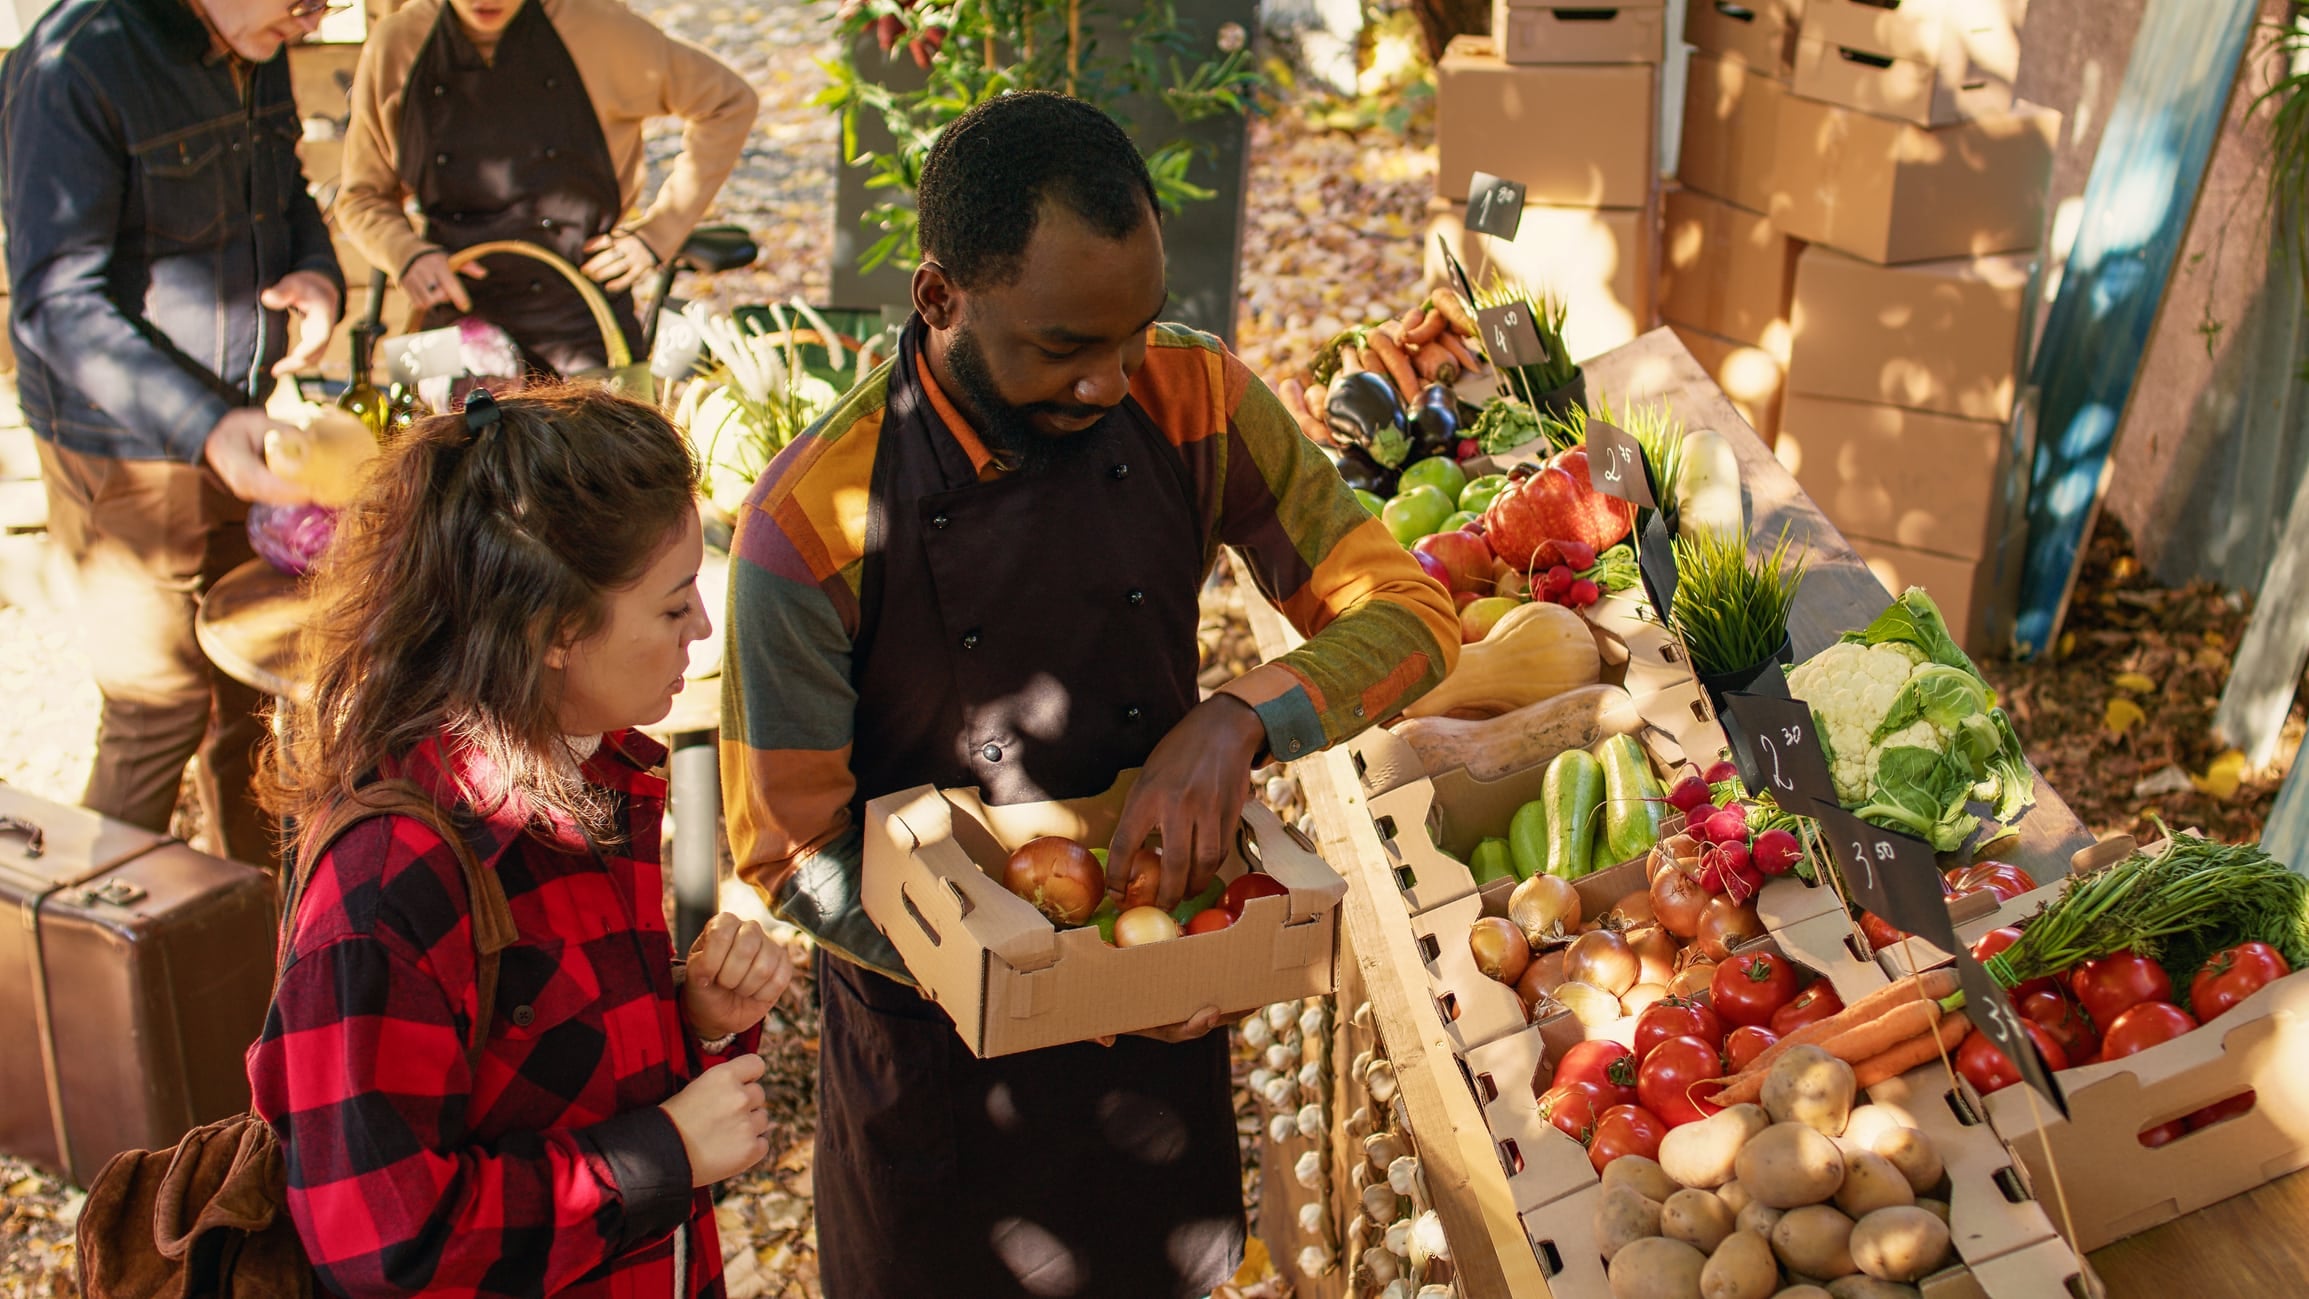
[1478,617]
[1465,557]
[1433,567]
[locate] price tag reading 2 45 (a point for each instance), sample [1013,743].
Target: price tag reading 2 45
[1616,465]
[1777,750]
[1890,874]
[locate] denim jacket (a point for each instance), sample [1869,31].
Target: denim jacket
[148,202]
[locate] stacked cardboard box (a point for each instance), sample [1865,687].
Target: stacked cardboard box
[1578,132]
[1726,276]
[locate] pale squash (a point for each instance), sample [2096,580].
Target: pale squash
[1538,651]
[1495,746]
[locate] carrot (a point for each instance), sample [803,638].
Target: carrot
[1434,364]
[1876,1036]
[1425,329]
[1410,322]
[1454,308]
[1318,401]
[1930,986]
[1923,1048]
[1351,359]
[1460,351]
[1390,354]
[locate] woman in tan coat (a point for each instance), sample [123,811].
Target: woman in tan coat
[521,119]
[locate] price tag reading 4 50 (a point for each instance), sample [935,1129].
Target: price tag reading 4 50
[1616,466]
[1509,336]
[1777,751]
[1890,874]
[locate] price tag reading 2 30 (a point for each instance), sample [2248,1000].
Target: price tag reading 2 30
[1777,750]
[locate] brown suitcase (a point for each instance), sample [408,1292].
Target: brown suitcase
[135,977]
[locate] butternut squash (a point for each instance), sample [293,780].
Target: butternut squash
[1538,651]
[1525,737]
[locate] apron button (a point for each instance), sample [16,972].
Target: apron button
[1136,597]
[553,83]
[440,90]
[522,1015]
[992,752]
[440,160]
[551,153]
[939,520]
[1120,471]
[1131,714]
[970,640]
[545,223]
[537,286]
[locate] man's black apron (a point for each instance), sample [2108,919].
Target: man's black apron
[1033,636]
[512,149]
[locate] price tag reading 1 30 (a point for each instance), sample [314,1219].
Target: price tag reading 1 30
[1890,874]
[1616,466]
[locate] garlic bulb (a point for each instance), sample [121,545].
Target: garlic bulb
[1258,1034]
[1279,1090]
[1282,1057]
[1311,1122]
[1359,1122]
[1362,1016]
[1427,1241]
[1311,1077]
[1309,1170]
[1311,1218]
[1257,1079]
[1313,1021]
[1317,1260]
[1380,1078]
[1281,1016]
[1379,1267]
[1434,1292]
[1403,1174]
[1282,1128]
[1380,1206]
[1398,1239]
[1399,1288]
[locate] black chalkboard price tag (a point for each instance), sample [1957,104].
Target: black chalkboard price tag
[1509,336]
[1990,1009]
[1889,873]
[1656,561]
[1776,749]
[1494,206]
[1616,465]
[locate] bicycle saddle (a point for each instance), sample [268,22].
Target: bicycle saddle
[719,248]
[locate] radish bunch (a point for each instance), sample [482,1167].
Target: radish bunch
[1734,860]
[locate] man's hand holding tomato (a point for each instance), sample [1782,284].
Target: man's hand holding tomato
[1191,791]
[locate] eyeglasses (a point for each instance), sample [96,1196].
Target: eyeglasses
[315,8]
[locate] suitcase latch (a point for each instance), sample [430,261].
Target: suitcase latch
[118,893]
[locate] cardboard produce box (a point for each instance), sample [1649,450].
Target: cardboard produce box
[1731,132]
[1758,33]
[1916,480]
[1929,94]
[1597,260]
[1573,135]
[1942,336]
[1984,32]
[1012,982]
[1969,591]
[1539,33]
[1750,376]
[1726,270]
[1892,191]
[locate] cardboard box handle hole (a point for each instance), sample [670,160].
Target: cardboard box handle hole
[1550,1259]
[929,930]
[1738,14]
[1448,1006]
[2009,1182]
[1961,1107]
[1510,1157]
[1430,951]
[1406,879]
[1863,58]
[1385,825]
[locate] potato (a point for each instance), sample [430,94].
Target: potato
[1696,1218]
[1804,1291]
[1901,1243]
[1815,1240]
[1789,1164]
[1741,1268]
[1623,1216]
[1701,1154]
[1641,1175]
[1911,1152]
[1937,1208]
[1734,1195]
[1758,1218]
[1869,1122]
[1809,1086]
[1657,1268]
[1871,1183]
[1860,1286]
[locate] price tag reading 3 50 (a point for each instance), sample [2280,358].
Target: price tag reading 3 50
[1509,336]
[1616,465]
[1890,874]
[1776,749]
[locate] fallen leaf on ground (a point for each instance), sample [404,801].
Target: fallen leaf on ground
[2134,682]
[2122,715]
[2223,777]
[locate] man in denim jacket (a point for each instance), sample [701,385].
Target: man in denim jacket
[161,251]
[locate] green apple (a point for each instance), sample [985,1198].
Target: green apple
[1372,501]
[1440,472]
[1478,493]
[1459,520]
[1415,513]
[1478,618]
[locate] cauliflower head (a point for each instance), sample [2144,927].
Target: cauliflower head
[1851,689]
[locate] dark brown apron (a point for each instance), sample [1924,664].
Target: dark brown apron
[512,149]
[1033,636]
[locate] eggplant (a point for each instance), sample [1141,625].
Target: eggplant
[1362,412]
[1434,419]
[1356,466]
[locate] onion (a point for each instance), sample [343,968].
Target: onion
[1141,925]
[1639,998]
[1633,911]
[1540,978]
[1545,908]
[1063,881]
[1603,959]
[1499,947]
[1656,950]
[1590,1004]
[1678,899]
[1724,925]
[1693,979]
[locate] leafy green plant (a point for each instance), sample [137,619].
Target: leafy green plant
[1547,312]
[757,393]
[978,49]
[2288,97]
[1731,612]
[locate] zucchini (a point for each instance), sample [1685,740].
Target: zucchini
[1632,799]
[1573,793]
[1527,839]
[1492,861]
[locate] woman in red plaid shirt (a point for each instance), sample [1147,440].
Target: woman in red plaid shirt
[512,595]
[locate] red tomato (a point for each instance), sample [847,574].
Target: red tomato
[1573,1107]
[1675,1080]
[1675,1017]
[2109,986]
[2234,974]
[2163,1133]
[2219,1110]
[2051,1009]
[1606,1064]
[1625,1130]
[2005,881]
[1248,885]
[1879,931]
[1748,989]
[1743,1044]
[1996,940]
[1210,920]
[1810,1006]
[1991,1070]
[2144,1026]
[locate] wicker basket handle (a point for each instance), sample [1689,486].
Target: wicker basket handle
[612,337]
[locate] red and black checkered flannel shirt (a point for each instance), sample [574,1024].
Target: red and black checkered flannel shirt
[553,1171]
